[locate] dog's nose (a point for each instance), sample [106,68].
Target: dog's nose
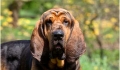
[58,33]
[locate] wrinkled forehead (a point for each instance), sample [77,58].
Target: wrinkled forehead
[56,12]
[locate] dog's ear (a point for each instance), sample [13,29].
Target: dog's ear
[76,45]
[38,40]
[71,18]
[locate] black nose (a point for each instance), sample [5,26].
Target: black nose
[58,34]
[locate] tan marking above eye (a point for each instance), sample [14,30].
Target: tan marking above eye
[57,13]
[61,18]
[65,20]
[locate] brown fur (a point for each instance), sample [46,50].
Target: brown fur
[75,45]
[3,65]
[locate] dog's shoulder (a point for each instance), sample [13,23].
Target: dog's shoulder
[14,48]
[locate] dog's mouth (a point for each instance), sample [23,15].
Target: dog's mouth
[58,50]
[58,44]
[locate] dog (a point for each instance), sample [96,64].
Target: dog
[56,43]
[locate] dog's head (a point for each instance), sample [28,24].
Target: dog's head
[57,24]
[57,30]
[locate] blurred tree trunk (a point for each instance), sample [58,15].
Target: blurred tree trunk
[15,7]
[98,37]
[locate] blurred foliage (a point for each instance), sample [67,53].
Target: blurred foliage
[107,63]
[98,21]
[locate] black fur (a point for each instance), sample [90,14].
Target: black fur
[11,53]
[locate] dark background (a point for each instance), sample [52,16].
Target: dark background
[98,20]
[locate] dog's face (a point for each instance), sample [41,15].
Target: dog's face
[57,35]
[57,24]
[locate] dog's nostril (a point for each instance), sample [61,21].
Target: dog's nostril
[58,33]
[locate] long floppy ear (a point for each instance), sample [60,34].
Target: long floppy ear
[76,45]
[38,40]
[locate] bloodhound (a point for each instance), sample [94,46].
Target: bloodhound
[56,43]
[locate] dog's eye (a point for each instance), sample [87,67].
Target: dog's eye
[65,22]
[48,22]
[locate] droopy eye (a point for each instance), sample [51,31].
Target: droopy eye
[48,22]
[65,22]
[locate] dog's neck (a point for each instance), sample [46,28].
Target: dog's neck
[56,62]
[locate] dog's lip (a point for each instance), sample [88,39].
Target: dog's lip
[55,42]
[58,44]
[58,47]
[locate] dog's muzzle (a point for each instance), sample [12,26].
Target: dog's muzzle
[58,50]
[58,34]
